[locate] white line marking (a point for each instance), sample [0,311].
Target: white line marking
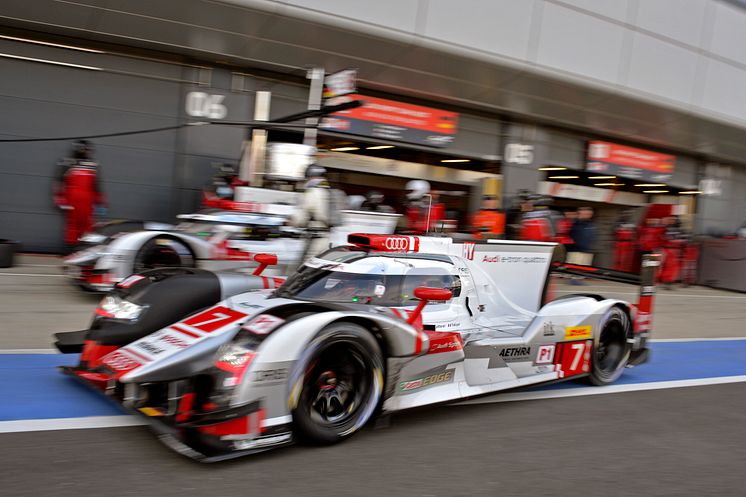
[36,275]
[37,265]
[582,391]
[24,425]
[661,294]
[29,351]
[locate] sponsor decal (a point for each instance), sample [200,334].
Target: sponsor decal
[468,250]
[545,354]
[120,362]
[578,332]
[269,375]
[515,259]
[444,342]
[396,243]
[548,329]
[263,324]
[149,347]
[515,353]
[428,381]
[573,358]
[175,341]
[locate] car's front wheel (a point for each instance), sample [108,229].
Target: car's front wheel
[163,251]
[338,384]
[612,350]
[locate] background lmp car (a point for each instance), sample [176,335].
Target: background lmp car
[213,239]
[385,324]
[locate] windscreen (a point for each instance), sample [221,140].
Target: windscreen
[337,283]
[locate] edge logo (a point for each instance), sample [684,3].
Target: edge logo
[428,381]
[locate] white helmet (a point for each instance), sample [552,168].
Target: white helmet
[417,188]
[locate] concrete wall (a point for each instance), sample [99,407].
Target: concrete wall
[686,52]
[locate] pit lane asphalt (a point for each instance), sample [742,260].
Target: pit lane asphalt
[679,442]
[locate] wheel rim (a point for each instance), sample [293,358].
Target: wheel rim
[611,347]
[336,385]
[159,256]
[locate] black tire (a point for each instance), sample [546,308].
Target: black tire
[163,251]
[611,350]
[337,385]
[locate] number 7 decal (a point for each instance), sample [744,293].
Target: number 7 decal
[574,358]
[214,318]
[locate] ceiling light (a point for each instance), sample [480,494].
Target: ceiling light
[655,191]
[650,184]
[601,177]
[690,192]
[344,149]
[552,168]
[55,62]
[609,184]
[455,160]
[379,147]
[49,44]
[564,177]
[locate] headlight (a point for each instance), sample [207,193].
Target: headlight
[93,238]
[115,307]
[233,358]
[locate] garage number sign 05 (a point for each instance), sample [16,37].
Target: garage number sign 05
[201,104]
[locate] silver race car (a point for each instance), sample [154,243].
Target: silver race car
[382,324]
[213,239]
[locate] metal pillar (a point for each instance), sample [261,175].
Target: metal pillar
[251,168]
[316,75]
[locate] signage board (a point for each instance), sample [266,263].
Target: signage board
[629,162]
[391,120]
[340,83]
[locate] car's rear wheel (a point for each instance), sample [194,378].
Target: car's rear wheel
[611,351]
[163,251]
[337,385]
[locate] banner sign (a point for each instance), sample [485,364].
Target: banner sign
[630,162]
[340,83]
[391,120]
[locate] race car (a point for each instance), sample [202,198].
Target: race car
[213,239]
[382,324]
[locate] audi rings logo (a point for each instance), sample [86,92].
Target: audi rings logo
[397,243]
[120,362]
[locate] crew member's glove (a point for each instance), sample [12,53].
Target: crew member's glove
[66,207]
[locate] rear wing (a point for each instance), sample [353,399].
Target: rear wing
[642,311]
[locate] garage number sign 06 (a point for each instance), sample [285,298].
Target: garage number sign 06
[201,104]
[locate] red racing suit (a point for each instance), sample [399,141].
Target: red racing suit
[76,191]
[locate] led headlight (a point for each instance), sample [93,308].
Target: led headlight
[115,307]
[93,238]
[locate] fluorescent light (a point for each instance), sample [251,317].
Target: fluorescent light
[552,168]
[49,44]
[655,191]
[690,192]
[344,149]
[601,177]
[650,184]
[564,177]
[455,160]
[609,184]
[379,147]
[55,62]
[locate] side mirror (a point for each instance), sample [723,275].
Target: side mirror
[264,260]
[425,294]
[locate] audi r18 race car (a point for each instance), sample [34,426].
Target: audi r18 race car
[382,324]
[214,239]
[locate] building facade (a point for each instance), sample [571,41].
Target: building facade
[533,81]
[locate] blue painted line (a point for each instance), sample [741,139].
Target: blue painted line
[32,388]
